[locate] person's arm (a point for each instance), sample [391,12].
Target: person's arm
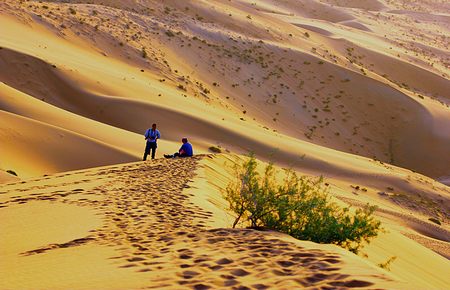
[182,150]
[158,135]
[146,135]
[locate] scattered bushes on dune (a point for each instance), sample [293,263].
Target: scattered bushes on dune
[299,206]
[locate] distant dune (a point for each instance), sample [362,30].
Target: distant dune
[372,91]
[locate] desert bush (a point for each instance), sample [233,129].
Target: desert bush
[387,265]
[170,33]
[12,172]
[435,220]
[215,149]
[298,206]
[144,53]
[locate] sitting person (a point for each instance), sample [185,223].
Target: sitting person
[185,150]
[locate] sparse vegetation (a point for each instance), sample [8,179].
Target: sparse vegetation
[299,206]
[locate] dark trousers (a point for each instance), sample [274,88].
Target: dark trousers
[176,155]
[150,146]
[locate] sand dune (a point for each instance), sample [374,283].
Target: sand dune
[7,177]
[355,91]
[322,113]
[30,147]
[155,225]
[154,238]
[19,103]
[374,5]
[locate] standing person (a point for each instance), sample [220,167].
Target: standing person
[151,135]
[185,150]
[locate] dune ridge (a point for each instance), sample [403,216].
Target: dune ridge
[168,219]
[148,231]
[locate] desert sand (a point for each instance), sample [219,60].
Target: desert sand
[355,91]
[140,225]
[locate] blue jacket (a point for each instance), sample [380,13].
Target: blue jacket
[187,150]
[151,135]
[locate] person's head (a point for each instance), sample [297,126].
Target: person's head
[154,126]
[184,140]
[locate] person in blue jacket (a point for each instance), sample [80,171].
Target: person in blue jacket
[185,150]
[151,135]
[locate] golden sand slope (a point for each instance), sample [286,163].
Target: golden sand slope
[148,225]
[136,225]
[338,88]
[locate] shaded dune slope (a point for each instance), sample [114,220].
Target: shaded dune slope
[33,147]
[134,114]
[45,82]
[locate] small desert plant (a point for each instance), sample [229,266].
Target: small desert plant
[170,33]
[215,149]
[299,206]
[12,172]
[435,220]
[387,265]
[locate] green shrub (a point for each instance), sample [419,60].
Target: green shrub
[300,207]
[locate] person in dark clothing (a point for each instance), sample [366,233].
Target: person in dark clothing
[186,150]
[151,135]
